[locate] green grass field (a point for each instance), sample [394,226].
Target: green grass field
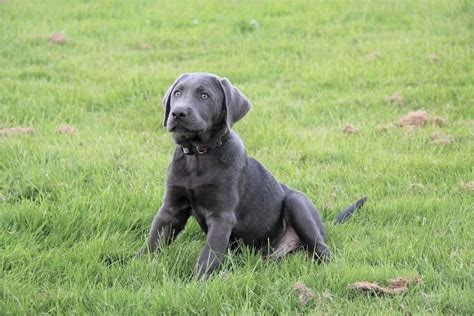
[74,207]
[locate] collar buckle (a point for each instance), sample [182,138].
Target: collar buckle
[191,150]
[201,150]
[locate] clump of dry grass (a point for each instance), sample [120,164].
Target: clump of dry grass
[16,130]
[395,286]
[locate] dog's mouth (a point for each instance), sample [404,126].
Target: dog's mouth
[184,128]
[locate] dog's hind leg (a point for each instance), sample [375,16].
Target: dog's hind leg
[303,217]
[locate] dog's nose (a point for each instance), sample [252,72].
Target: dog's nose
[178,114]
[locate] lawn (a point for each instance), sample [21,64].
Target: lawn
[74,206]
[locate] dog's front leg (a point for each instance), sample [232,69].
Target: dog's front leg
[218,234]
[168,223]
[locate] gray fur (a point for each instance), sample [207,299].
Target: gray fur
[232,196]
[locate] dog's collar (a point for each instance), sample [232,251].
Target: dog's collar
[202,149]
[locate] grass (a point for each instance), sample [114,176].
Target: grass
[74,207]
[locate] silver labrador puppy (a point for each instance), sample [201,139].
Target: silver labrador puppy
[232,196]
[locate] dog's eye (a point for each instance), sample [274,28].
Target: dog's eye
[204,95]
[177,93]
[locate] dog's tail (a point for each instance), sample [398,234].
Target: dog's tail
[347,213]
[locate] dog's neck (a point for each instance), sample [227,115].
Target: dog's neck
[204,142]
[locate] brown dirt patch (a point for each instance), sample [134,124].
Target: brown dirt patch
[58,38]
[395,98]
[414,120]
[304,293]
[417,118]
[67,129]
[442,138]
[350,129]
[395,286]
[16,130]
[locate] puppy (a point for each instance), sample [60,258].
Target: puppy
[231,195]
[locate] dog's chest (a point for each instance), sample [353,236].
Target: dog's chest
[204,202]
[208,184]
[193,171]
[192,175]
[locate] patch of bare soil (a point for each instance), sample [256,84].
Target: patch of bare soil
[442,138]
[396,98]
[350,129]
[16,130]
[58,38]
[395,286]
[67,129]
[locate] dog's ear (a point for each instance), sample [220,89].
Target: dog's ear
[235,103]
[167,98]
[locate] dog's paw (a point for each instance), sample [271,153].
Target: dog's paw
[323,255]
[142,252]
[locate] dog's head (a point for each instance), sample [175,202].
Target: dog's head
[200,104]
